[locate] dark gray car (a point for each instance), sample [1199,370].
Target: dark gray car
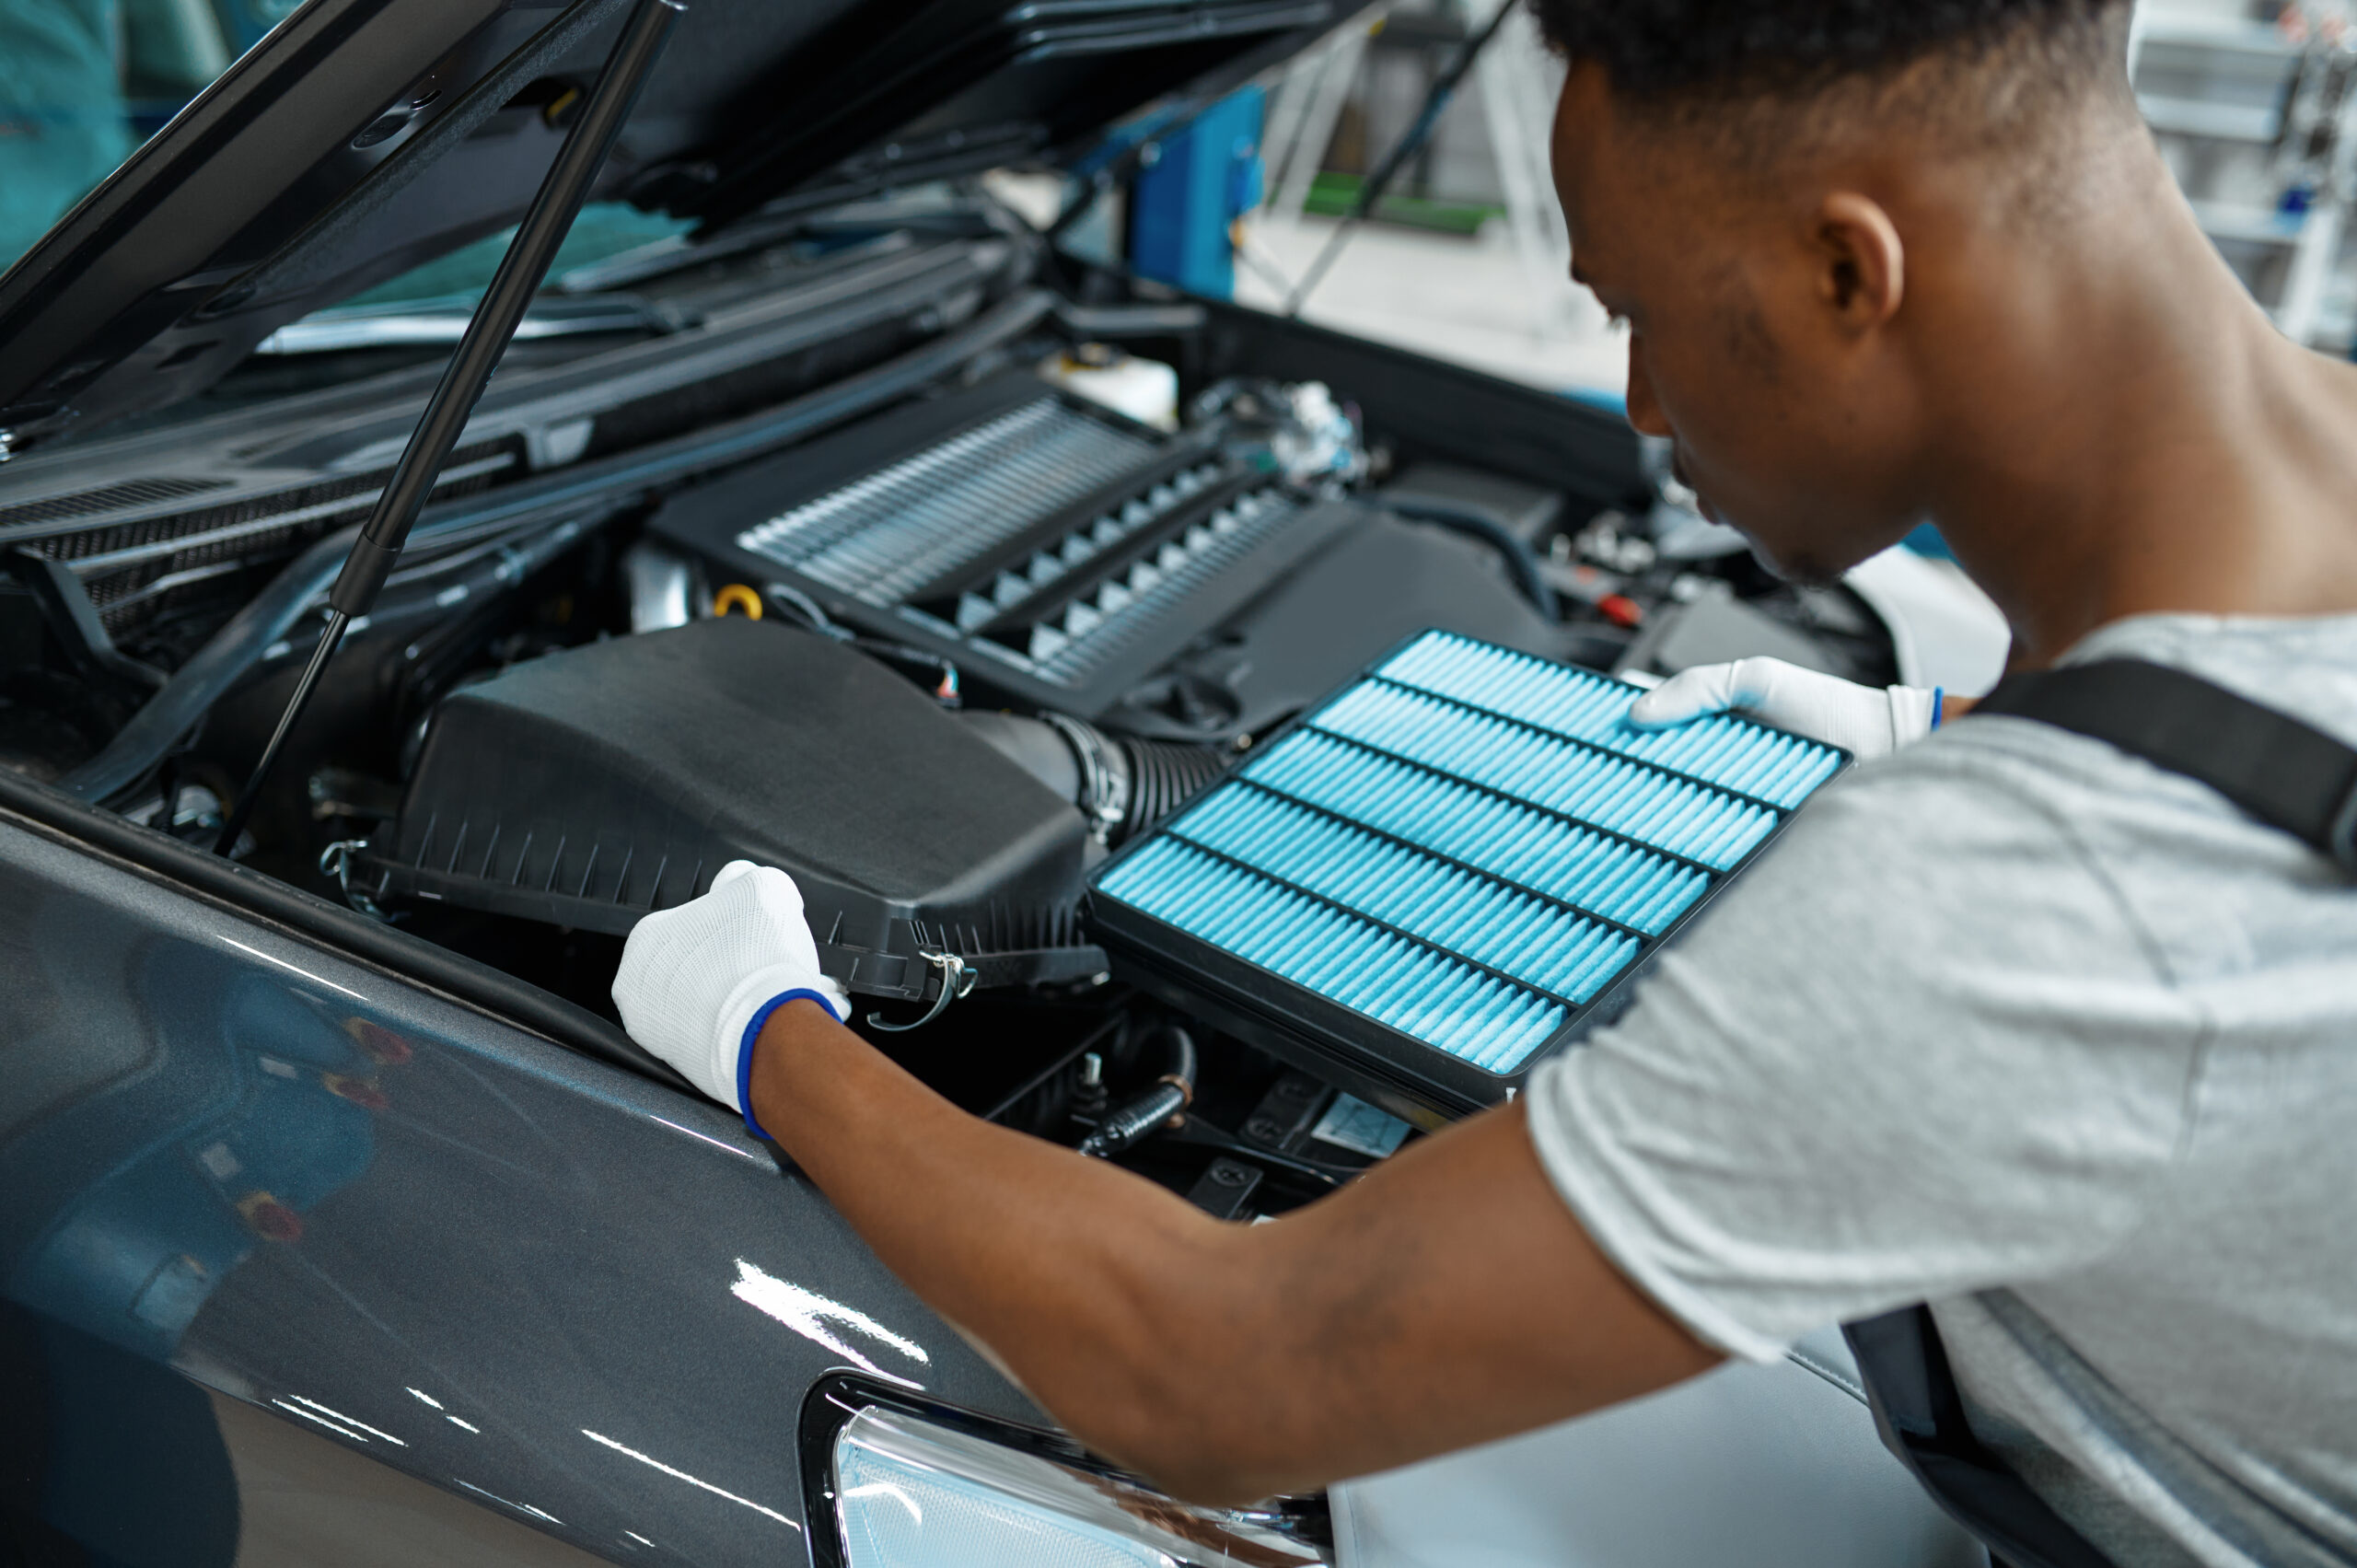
[339,1221]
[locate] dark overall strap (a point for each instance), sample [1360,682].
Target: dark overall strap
[2286,774]
[1920,1417]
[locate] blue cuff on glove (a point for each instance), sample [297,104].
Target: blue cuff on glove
[745,1051]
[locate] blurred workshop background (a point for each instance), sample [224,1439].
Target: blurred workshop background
[1463,255]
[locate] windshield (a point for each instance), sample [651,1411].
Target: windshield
[601,229]
[83,82]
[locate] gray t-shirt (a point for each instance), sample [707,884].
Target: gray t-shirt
[2062,1044]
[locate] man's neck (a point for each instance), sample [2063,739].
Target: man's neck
[2135,437]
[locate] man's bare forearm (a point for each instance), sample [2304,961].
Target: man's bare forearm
[1446,1299]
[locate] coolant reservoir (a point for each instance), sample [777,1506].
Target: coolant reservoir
[1146,389]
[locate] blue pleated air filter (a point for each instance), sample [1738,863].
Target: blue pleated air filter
[1446,869]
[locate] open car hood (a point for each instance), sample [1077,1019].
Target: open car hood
[362,137]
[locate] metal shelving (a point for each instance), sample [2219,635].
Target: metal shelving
[2260,125]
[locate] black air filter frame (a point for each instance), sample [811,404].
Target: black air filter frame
[1406,1076]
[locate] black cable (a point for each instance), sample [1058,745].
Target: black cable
[806,609]
[1183,1066]
[946,687]
[521,269]
[1134,1117]
[1522,562]
[1437,99]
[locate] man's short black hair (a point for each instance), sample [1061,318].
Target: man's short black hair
[1764,83]
[1662,50]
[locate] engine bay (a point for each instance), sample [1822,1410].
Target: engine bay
[861,554]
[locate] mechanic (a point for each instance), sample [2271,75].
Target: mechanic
[2010,1023]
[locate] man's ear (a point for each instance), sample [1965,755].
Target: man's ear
[1861,264]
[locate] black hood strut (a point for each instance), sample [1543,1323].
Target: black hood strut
[494,321]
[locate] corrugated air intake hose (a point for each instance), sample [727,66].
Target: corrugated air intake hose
[1122,784]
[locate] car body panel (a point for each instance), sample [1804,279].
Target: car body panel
[342,1202]
[305,1498]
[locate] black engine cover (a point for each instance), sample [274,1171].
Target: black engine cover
[592,786]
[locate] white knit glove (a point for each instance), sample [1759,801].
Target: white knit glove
[698,982]
[1859,719]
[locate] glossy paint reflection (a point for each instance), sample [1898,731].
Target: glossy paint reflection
[653,1463]
[141,1195]
[808,1314]
[406,1232]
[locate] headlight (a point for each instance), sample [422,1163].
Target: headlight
[914,1493]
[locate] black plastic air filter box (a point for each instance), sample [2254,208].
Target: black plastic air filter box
[591,786]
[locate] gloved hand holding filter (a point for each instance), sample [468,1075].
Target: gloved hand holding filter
[1863,720]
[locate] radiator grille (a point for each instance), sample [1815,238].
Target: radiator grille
[882,537]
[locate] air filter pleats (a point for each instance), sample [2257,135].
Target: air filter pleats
[1390,977]
[1765,764]
[1489,832]
[1468,846]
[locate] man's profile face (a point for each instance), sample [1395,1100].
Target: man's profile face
[1783,427]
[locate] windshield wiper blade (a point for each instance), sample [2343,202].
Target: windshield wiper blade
[889,219]
[430,323]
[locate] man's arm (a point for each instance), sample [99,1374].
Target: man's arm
[1447,1297]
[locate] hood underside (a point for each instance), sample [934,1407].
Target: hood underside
[363,137]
